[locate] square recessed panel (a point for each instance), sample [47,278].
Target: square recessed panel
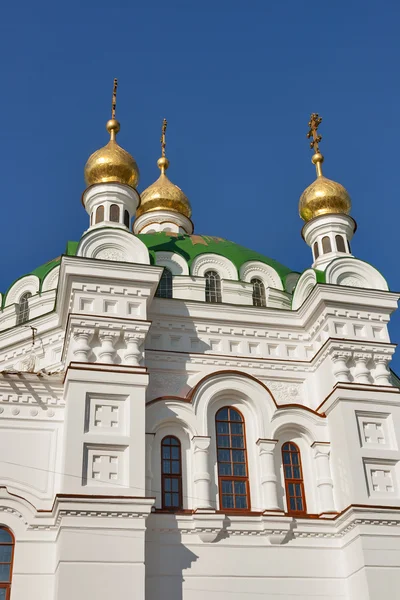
[106,414]
[381,478]
[105,465]
[376,430]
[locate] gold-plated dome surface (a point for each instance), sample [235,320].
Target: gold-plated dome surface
[323,196]
[112,163]
[163,194]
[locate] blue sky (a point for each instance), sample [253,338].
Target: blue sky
[237,82]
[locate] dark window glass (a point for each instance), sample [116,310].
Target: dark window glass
[232,460]
[164,289]
[114,213]
[23,308]
[326,245]
[316,250]
[6,559]
[258,292]
[213,287]
[171,473]
[100,214]
[126,219]
[294,485]
[340,245]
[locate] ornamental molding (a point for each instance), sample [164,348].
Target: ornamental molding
[50,282]
[173,261]
[224,267]
[30,283]
[285,392]
[266,273]
[162,218]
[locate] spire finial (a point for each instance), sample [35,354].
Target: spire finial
[114,99]
[317,158]
[163,140]
[113,125]
[163,162]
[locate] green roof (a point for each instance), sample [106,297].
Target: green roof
[191,246]
[187,246]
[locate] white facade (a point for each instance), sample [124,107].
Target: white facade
[98,371]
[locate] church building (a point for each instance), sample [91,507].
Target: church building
[183,418]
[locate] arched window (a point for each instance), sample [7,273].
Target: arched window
[23,312]
[6,560]
[233,479]
[326,245]
[114,213]
[171,473]
[294,486]
[99,214]
[316,250]
[126,219]
[213,287]
[258,292]
[164,289]
[340,245]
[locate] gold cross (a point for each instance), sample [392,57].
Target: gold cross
[163,142]
[315,122]
[114,99]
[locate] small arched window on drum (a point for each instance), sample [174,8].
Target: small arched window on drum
[126,219]
[114,213]
[99,214]
[340,245]
[326,245]
[316,251]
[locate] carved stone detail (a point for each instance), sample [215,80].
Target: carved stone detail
[108,339]
[82,349]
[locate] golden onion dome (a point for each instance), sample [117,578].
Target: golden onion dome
[112,163]
[323,196]
[163,194]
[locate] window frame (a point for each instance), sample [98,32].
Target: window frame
[294,480]
[163,283]
[114,213]
[217,292]
[99,216]
[23,312]
[165,476]
[262,294]
[233,478]
[7,584]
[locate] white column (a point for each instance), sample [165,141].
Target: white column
[268,475]
[108,339]
[382,373]
[202,479]
[133,355]
[361,372]
[149,472]
[324,478]
[81,350]
[340,369]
